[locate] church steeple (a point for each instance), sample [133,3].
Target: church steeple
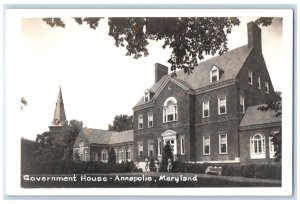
[59,118]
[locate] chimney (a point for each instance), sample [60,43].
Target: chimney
[160,71]
[254,36]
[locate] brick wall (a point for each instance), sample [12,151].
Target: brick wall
[182,126]
[245,136]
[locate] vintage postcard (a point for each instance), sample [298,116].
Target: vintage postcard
[151,102]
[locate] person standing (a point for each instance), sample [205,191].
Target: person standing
[169,168]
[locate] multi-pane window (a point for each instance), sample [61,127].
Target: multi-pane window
[121,156]
[223,144]
[222,105]
[205,106]
[214,74]
[267,87]
[85,155]
[170,112]
[128,154]
[271,148]
[182,145]
[140,149]
[150,148]
[140,122]
[159,148]
[258,83]
[150,119]
[242,104]
[81,151]
[104,155]
[250,77]
[257,146]
[206,145]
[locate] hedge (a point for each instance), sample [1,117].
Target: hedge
[75,167]
[264,171]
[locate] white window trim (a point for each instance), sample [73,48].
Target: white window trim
[104,151]
[267,87]
[259,155]
[251,77]
[146,95]
[203,116]
[128,150]
[220,152]
[204,145]
[149,114]
[141,115]
[149,144]
[242,102]
[122,157]
[211,75]
[85,155]
[259,83]
[220,106]
[165,112]
[182,145]
[271,150]
[140,144]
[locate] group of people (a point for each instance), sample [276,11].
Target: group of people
[169,167]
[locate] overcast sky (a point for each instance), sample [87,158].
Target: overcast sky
[98,81]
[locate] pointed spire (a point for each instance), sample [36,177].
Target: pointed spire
[59,114]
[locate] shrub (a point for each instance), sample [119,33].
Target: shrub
[166,154]
[152,166]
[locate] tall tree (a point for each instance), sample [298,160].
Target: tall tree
[166,155]
[121,123]
[69,137]
[112,158]
[188,38]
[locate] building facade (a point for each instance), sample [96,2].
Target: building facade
[208,116]
[200,114]
[94,145]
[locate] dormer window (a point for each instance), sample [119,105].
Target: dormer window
[147,96]
[214,74]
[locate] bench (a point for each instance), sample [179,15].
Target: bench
[213,170]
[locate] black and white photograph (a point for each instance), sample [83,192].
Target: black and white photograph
[150,100]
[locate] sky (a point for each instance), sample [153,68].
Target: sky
[97,80]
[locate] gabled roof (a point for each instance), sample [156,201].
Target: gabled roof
[253,116]
[97,136]
[230,63]
[121,137]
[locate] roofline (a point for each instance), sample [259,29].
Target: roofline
[165,82]
[205,89]
[257,126]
